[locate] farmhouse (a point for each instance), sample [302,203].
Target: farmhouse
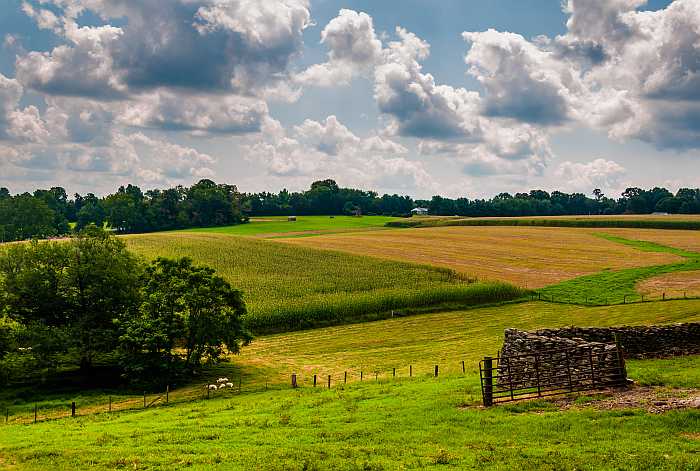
[419,211]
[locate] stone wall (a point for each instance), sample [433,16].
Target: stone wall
[636,341]
[530,360]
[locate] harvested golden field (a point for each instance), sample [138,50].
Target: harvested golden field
[673,284]
[528,256]
[686,240]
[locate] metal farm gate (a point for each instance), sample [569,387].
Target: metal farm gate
[551,373]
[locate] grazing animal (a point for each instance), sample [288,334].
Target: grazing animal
[230,385]
[222,380]
[213,387]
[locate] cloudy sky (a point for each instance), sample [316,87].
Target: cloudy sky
[456,97]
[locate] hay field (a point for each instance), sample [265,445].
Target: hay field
[686,240]
[673,284]
[532,257]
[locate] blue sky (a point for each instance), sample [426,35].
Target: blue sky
[461,98]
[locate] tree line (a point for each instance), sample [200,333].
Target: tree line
[88,302]
[47,213]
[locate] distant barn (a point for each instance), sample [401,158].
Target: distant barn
[419,211]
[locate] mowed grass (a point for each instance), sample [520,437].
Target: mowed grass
[275,226]
[445,339]
[621,286]
[685,240]
[531,257]
[288,287]
[387,423]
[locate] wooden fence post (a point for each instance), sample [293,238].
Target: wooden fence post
[537,375]
[410,371]
[663,297]
[488,381]
[144,399]
[314,380]
[72,409]
[464,370]
[35,412]
[436,371]
[360,375]
[394,372]
[329,381]
[110,403]
[294,380]
[167,394]
[345,378]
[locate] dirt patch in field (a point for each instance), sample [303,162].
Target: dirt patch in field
[654,400]
[532,257]
[673,284]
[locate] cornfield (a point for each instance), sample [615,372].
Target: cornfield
[288,287]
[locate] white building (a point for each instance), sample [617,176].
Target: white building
[419,211]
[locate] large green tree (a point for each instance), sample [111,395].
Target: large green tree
[188,316]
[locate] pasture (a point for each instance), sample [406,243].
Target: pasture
[531,257]
[388,423]
[276,226]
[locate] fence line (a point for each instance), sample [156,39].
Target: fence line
[35,413]
[626,299]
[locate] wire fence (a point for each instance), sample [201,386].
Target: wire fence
[37,412]
[611,300]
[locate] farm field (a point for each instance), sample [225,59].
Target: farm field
[647,221]
[375,348]
[288,287]
[686,240]
[388,423]
[275,226]
[673,284]
[527,256]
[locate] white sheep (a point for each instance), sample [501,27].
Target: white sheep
[222,380]
[230,385]
[222,385]
[213,387]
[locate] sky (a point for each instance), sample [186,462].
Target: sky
[461,98]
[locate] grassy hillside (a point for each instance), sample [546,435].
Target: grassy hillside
[391,424]
[375,348]
[288,288]
[273,226]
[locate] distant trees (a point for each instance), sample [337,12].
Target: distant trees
[206,203]
[76,301]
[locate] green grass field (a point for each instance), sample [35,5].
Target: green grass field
[620,286]
[304,225]
[389,423]
[288,287]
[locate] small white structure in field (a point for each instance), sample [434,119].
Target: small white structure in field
[292,219]
[420,211]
